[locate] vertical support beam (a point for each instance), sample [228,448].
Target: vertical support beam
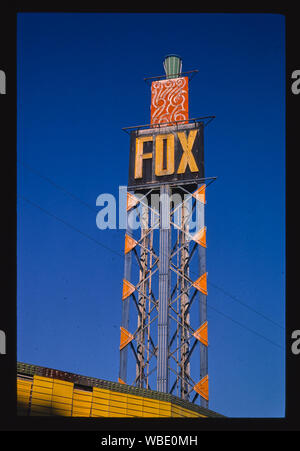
[164,290]
[185,318]
[125,308]
[202,300]
[149,309]
[178,325]
[140,339]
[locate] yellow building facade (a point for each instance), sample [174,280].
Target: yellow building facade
[47,392]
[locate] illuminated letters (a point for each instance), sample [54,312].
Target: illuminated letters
[164,154]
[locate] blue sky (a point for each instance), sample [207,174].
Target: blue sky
[79,81]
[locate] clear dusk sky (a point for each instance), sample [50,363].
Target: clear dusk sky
[80,80]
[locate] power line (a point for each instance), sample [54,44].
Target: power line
[58,186]
[226,293]
[245,305]
[120,255]
[70,225]
[245,327]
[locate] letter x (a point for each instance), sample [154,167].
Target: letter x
[187,156]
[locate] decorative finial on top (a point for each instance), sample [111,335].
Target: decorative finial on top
[173,66]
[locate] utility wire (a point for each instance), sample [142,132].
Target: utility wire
[58,186]
[245,327]
[120,255]
[226,293]
[245,305]
[70,225]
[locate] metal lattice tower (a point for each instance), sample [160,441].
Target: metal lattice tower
[163,344]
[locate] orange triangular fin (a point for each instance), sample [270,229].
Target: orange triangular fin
[200,237]
[126,338]
[201,283]
[202,387]
[199,194]
[130,243]
[131,201]
[201,334]
[128,288]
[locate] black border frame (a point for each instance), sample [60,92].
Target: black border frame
[9,421]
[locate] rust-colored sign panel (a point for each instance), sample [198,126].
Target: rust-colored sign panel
[169,101]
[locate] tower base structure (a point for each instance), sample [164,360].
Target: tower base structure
[167,291]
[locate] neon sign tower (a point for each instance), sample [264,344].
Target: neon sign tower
[164,330]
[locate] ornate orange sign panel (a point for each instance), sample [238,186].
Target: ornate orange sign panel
[169,100]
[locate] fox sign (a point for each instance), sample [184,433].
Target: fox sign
[166,154]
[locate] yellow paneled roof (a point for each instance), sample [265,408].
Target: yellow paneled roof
[25,369]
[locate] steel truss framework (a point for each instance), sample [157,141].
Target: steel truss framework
[169,343]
